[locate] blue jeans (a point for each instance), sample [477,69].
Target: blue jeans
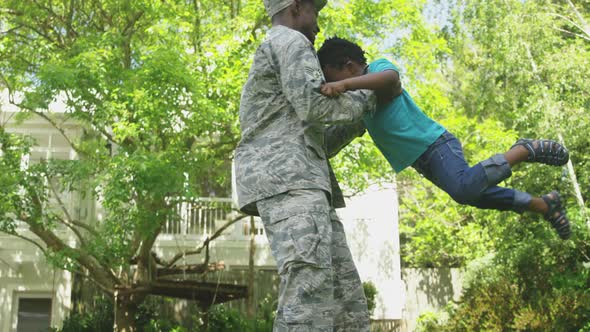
[444,165]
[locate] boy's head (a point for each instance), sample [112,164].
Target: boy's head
[341,59]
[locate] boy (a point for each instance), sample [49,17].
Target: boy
[407,137]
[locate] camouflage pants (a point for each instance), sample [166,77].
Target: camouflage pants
[320,287]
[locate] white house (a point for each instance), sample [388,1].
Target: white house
[33,294]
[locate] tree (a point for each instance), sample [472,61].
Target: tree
[501,71]
[155,88]
[523,65]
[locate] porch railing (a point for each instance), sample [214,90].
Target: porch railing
[203,216]
[199,216]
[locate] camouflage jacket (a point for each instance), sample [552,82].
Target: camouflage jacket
[283,119]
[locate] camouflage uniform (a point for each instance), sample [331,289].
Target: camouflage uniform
[282,174]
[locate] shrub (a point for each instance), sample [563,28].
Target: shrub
[370,294]
[540,285]
[99,319]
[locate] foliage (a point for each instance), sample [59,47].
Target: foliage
[371,294]
[99,319]
[155,88]
[536,294]
[515,65]
[152,317]
[504,76]
[428,321]
[224,319]
[152,89]
[499,70]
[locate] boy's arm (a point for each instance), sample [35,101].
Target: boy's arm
[386,85]
[301,79]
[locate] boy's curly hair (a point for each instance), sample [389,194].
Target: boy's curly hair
[337,51]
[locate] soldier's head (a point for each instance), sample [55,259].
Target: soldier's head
[341,59]
[300,15]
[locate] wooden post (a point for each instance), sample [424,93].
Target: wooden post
[251,305]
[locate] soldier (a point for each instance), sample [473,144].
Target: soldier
[283,174]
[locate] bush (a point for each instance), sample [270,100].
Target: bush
[152,318]
[429,321]
[370,294]
[223,319]
[540,285]
[99,319]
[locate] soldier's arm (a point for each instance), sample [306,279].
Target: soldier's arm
[339,136]
[301,80]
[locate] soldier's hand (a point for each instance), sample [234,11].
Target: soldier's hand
[333,89]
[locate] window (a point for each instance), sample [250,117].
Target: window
[34,314]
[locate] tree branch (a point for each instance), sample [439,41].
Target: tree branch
[73,229]
[144,272]
[206,242]
[572,33]
[52,122]
[56,195]
[100,272]
[10,30]
[68,21]
[571,22]
[89,118]
[85,227]
[43,250]
[85,276]
[127,34]
[44,35]
[103,13]
[585,27]
[69,218]
[191,269]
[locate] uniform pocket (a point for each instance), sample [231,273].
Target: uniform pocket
[303,238]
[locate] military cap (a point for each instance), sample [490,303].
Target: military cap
[275,6]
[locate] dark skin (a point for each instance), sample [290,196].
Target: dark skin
[387,86]
[302,16]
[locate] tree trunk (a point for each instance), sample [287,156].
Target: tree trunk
[126,306]
[576,184]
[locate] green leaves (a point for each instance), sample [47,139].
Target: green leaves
[152,89]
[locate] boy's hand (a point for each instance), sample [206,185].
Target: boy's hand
[333,89]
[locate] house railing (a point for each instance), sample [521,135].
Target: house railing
[199,216]
[205,215]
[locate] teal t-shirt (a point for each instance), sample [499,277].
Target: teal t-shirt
[399,128]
